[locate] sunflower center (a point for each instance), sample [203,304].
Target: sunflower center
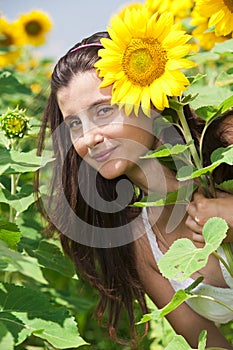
[33,28]
[144,60]
[5,40]
[229,4]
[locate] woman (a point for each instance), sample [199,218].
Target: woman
[86,126]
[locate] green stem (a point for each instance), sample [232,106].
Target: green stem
[223,262]
[13,192]
[188,138]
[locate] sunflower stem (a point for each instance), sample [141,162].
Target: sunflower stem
[188,138]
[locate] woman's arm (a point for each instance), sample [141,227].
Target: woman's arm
[184,320]
[202,208]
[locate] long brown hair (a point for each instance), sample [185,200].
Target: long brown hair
[112,271]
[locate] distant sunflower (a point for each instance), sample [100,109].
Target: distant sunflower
[10,40]
[220,13]
[35,26]
[143,60]
[206,39]
[180,9]
[10,34]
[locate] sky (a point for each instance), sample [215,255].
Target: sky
[72,19]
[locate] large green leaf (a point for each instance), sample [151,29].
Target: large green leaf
[9,84]
[13,261]
[6,338]
[183,258]
[19,201]
[22,162]
[219,156]
[26,311]
[50,256]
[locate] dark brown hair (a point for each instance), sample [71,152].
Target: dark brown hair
[219,134]
[112,271]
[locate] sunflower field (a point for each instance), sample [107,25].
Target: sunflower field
[43,304]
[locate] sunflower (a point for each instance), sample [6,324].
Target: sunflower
[35,26]
[206,39]
[180,9]
[10,39]
[143,60]
[220,14]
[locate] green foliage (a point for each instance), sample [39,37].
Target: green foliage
[43,304]
[183,258]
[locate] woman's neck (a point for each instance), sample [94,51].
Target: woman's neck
[152,177]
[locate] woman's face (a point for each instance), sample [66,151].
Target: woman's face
[103,135]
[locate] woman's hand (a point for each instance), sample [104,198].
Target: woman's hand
[201,209]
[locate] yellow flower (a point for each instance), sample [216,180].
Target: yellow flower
[36,88]
[35,26]
[10,34]
[179,8]
[220,13]
[10,38]
[206,39]
[143,60]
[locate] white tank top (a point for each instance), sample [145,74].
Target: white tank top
[207,308]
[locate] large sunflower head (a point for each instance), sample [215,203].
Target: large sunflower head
[35,26]
[143,60]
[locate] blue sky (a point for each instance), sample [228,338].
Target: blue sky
[73,19]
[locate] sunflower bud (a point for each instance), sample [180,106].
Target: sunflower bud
[14,123]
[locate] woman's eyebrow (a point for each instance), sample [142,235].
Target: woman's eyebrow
[93,105]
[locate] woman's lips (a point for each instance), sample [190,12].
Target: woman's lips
[103,156]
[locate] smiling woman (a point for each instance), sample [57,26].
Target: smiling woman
[101,131]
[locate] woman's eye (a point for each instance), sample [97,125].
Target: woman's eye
[105,111]
[75,123]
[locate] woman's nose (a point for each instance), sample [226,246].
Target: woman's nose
[93,137]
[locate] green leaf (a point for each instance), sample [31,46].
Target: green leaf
[210,113]
[224,79]
[179,196]
[224,47]
[226,186]
[26,311]
[50,256]
[178,343]
[193,79]
[9,233]
[20,263]
[223,155]
[219,156]
[10,84]
[208,95]
[167,150]
[202,340]
[22,162]
[179,297]
[183,258]
[19,201]
[6,338]
[206,112]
